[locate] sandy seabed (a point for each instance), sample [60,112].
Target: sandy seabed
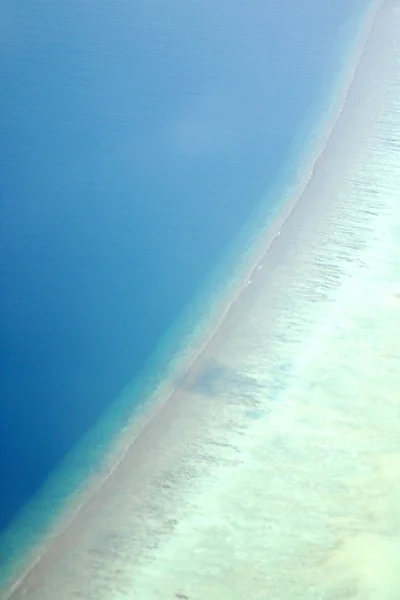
[273,471]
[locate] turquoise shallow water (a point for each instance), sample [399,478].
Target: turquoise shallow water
[135,164]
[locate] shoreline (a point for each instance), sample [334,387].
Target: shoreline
[154,408]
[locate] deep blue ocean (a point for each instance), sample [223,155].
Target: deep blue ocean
[136,139]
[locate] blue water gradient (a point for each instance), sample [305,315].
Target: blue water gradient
[136,140]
